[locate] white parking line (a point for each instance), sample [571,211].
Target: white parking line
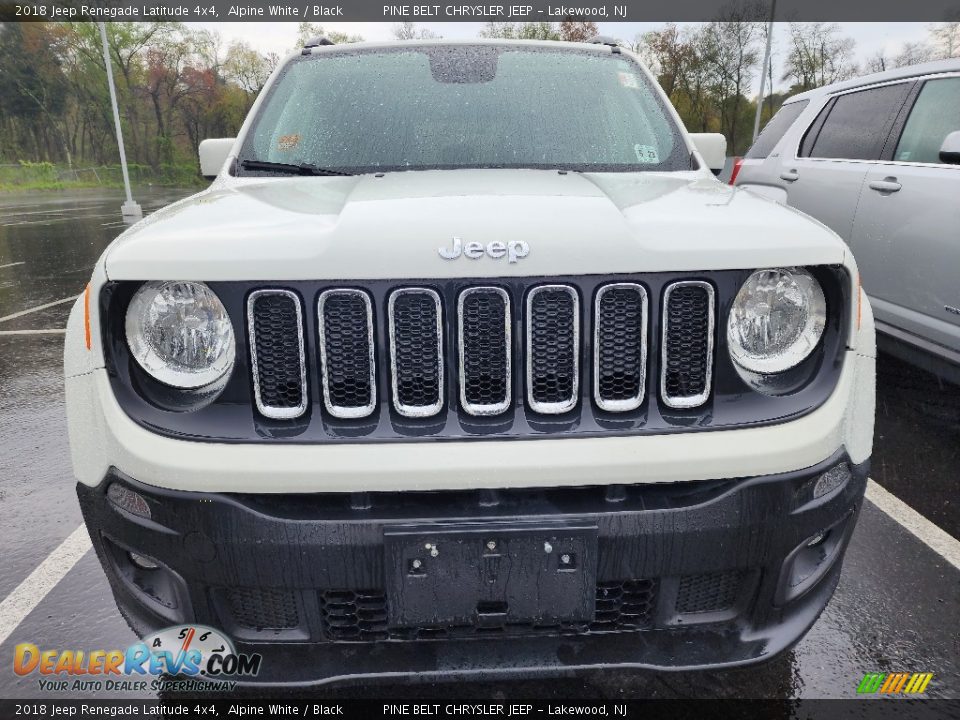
[28,594]
[941,542]
[51,331]
[39,307]
[12,264]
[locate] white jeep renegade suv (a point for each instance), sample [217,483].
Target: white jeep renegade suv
[467,363]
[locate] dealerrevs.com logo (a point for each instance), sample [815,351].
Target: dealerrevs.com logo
[180,658]
[894,683]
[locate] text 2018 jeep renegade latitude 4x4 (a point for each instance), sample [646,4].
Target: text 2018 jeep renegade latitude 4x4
[466,363]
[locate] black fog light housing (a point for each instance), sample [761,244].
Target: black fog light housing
[152,583]
[811,560]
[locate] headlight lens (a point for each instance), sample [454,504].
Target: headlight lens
[776,320]
[180,333]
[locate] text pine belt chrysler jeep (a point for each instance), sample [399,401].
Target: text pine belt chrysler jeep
[466,363]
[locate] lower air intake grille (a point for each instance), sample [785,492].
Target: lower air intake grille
[687,344]
[416,351]
[553,345]
[359,615]
[620,346]
[346,353]
[484,340]
[711,592]
[276,353]
[263,608]
[624,605]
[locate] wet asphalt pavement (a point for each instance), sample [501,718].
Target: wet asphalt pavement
[897,607]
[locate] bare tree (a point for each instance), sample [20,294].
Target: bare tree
[946,39]
[878,62]
[914,53]
[307,30]
[731,51]
[248,68]
[411,31]
[577,30]
[818,55]
[521,31]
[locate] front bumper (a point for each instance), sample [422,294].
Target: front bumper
[688,575]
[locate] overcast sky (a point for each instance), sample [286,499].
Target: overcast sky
[279,37]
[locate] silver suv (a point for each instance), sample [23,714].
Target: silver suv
[878,160]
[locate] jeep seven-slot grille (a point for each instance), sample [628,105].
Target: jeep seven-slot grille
[687,343]
[277,362]
[465,338]
[347,364]
[416,351]
[483,328]
[620,355]
[553,347]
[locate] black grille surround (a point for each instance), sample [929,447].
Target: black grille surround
[232,416]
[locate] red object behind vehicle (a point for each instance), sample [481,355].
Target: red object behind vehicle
[736,169]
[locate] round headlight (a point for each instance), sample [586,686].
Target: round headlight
[776,320]
[180,333]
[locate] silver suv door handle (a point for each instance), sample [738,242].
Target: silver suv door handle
[790,175]
[887,185]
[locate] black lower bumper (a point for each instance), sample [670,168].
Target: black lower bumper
[682,575]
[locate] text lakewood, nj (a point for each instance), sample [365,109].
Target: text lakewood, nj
[215,9]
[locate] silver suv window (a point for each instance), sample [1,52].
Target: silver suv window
[775,129]
[464,106]
[935,114]
[855,126]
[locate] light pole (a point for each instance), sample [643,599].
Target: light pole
[763,72]
[129,209]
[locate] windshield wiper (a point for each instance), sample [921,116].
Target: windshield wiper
[289,168]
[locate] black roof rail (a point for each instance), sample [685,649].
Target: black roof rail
[605,40]
[316,42]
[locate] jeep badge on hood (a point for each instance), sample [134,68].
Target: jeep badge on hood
[513,250]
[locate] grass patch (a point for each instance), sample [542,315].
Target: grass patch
[30,176]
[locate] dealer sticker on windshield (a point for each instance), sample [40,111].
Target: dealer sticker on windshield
[646,154]
[628,80]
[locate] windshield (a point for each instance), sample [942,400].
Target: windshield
[464,106]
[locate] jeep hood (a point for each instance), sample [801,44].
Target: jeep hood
[391,226]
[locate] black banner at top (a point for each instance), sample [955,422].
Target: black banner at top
[476,11]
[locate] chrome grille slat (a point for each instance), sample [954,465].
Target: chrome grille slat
[553,348]
[620,346]
[484,342]
[416,351]
[279,375]
[347,356]
[686,370]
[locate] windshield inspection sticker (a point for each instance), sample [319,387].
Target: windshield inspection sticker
[288,142]
[629,80]
[647,154]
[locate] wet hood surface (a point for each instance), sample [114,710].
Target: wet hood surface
[392,226]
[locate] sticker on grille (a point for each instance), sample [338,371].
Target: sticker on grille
[483,327]
[416,351]
[278,366]
[347,363]
[553,347]
[687,345]
[620,346]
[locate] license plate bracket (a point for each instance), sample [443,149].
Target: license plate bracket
[490,574]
